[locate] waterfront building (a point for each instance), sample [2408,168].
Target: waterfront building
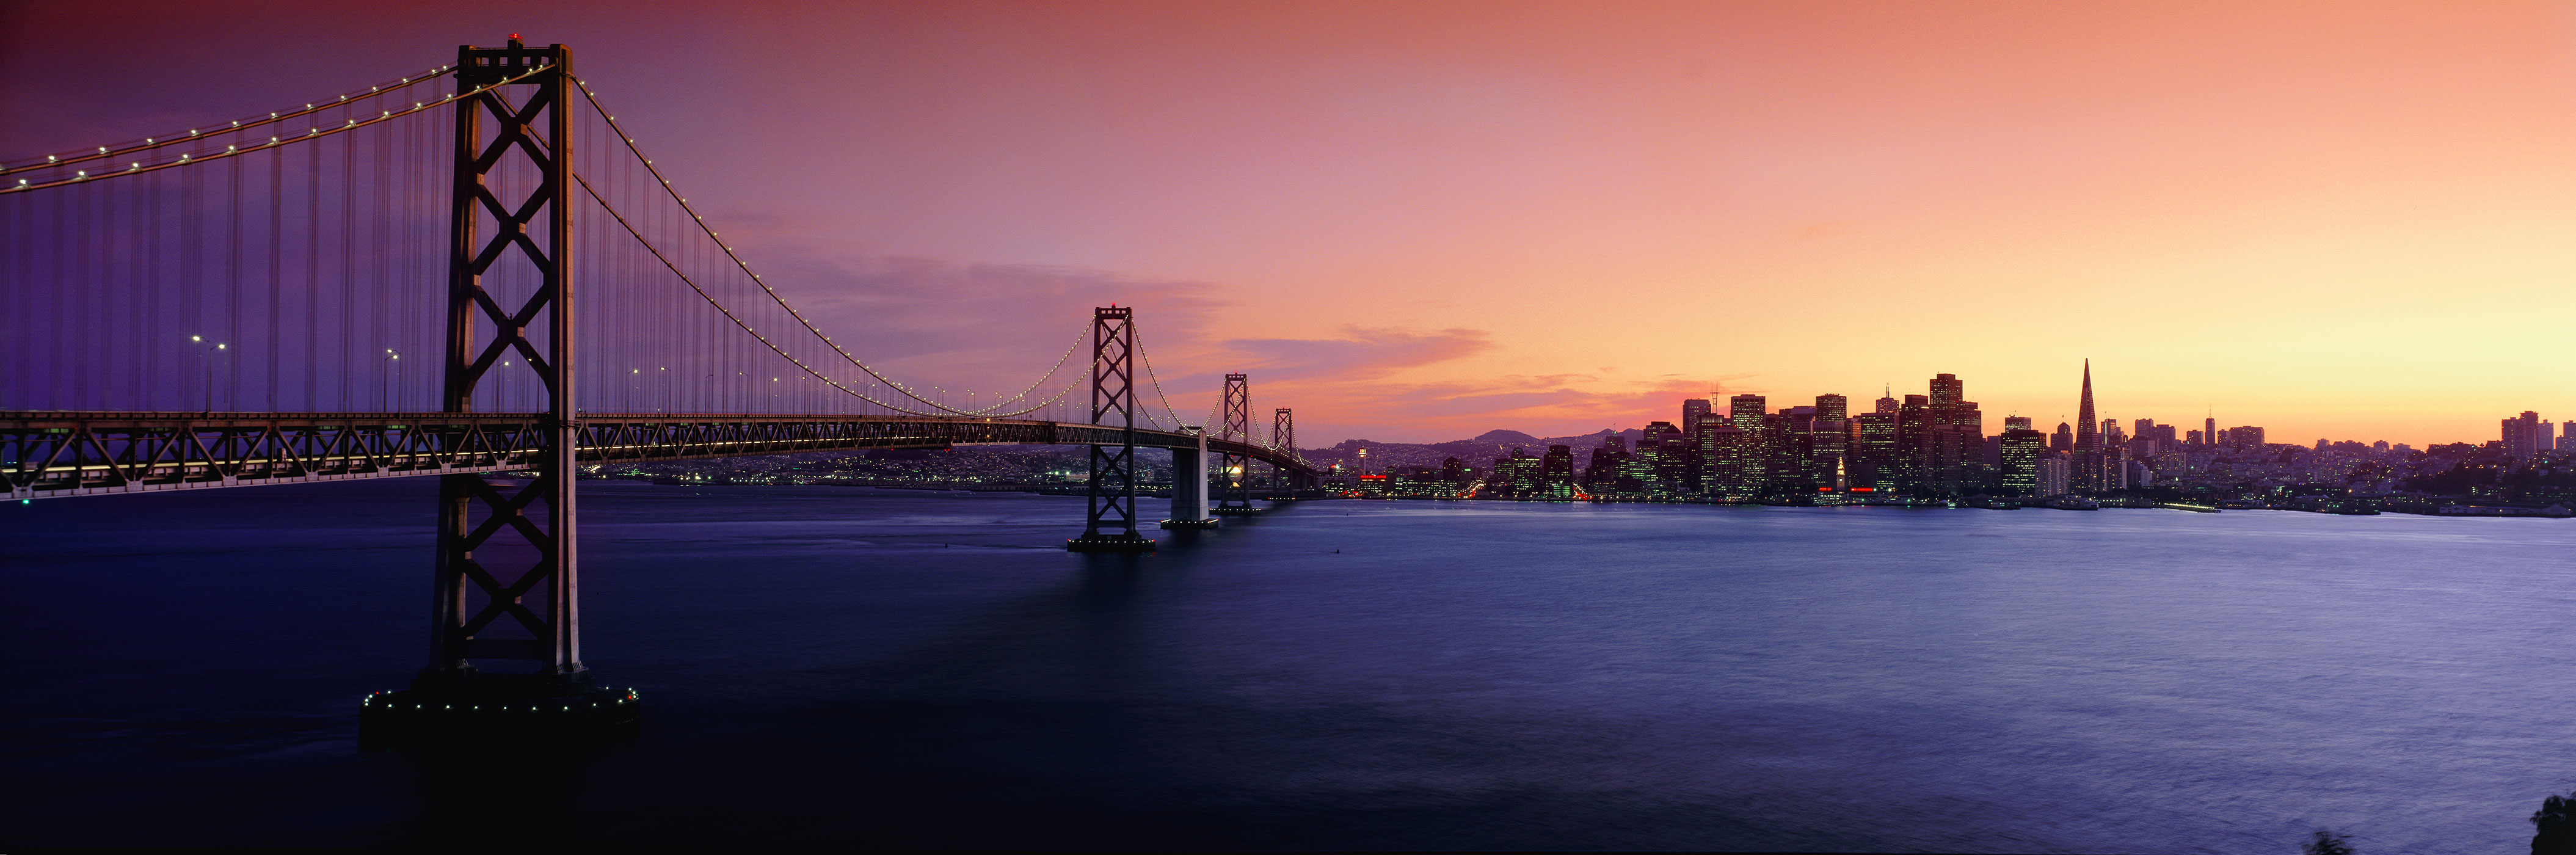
[1735,462]
[1556,472]
[2052,476]
[1875,448]
[2021,450]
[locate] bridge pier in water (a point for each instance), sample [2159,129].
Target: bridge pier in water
[1189,487]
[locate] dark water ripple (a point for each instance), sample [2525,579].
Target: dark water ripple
[883,668]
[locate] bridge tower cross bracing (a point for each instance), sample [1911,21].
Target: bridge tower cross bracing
[1283,436]
[1237,497]
[1111,524]
[538,228]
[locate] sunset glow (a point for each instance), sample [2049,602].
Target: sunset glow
[1421,221]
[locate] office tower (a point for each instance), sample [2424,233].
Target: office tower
[2022,449]
[2086,436]
[1735,469]
[1947,390]
[1828,450]
[1454,472]
[1833,407]
[2146,428]
[2017,423]
[2111,433]
[2198,438]
[2245,437]
[1746,411]
[2567,435]
[2209,430]
[1556,471]
[1784,460]
[2525,435]
[2052,476]
[1603,471]
[1874,450]
[1914,444]
[2063,440]
[1886,402]
[2114,468]
[1671,458]
[1693,410]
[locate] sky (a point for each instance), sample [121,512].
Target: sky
[1415,222]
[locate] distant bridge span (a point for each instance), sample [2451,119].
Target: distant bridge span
[60,454]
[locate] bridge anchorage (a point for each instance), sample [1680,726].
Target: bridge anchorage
[98,396]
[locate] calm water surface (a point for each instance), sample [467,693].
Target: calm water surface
[889,668]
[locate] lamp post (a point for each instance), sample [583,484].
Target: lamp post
[384,387]
[208,352]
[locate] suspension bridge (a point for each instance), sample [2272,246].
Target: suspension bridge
[233,305]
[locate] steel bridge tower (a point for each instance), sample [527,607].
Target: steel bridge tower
[1283,436]
[1237,498]
[477,613]
[1111,526]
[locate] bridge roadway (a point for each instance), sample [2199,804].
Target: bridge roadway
[47,454]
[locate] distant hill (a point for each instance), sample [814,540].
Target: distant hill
[1478,452]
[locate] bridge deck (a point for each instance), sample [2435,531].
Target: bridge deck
[53,454]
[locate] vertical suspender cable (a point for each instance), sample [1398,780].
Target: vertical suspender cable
[233,284]
[309,367]
[348,267]
[273,353]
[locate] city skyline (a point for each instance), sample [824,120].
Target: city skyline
[1429,220]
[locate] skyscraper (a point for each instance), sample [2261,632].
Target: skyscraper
[2087,437]
[1556,471]
[1886,401]
[1947,390]
[2525,435]
[2063,440]
[1746,411]
[1833,407]
[1693,410]
[2022,449]
[2209,430]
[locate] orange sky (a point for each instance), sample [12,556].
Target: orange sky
[1416,222]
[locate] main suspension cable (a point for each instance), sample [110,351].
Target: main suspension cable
[274,142]
[701,222]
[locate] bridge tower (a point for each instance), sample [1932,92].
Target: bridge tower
[1283,436]
[1237,498]
[480,612]
[1112,523]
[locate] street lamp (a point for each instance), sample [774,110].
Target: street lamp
[208,352]
[392,366]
